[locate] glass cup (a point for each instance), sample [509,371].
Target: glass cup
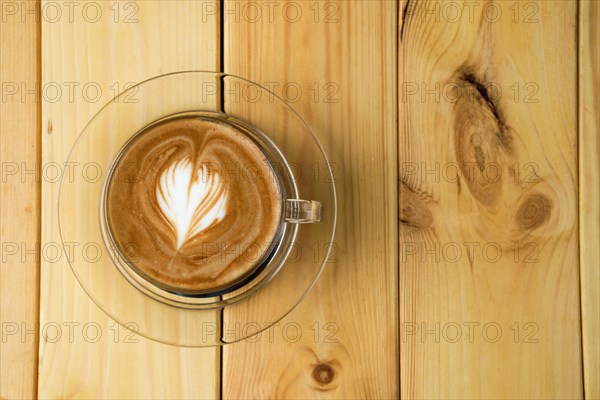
[293,211]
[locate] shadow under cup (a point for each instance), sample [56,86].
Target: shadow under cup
[293,212]
[277,283]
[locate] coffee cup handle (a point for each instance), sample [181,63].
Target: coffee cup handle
[302,211]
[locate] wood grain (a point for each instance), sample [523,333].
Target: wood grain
[351,59]
[19,202]
[489,271]
[589,191]
[483,125]
[141,40]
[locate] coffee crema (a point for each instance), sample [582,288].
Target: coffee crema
[194,205]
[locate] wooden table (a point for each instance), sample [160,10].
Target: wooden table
[465,138]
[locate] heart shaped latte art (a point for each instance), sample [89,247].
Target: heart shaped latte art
[192,199]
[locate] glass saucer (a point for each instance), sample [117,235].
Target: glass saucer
[210,320]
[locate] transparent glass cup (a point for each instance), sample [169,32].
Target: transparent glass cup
[293,211]
[254,303]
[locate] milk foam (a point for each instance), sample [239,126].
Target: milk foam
[192,199]
[195,227]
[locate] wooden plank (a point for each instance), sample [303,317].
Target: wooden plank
[128,42]
[346,52]
[589,191]
[530,287]
[19,200]
[489,277]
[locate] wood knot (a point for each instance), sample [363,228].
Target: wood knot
[481,136]
[533,212]
[324,377]
[323,374]
[414,210]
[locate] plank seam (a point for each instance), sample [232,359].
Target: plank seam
[578,168]
[39,152]
[221,38]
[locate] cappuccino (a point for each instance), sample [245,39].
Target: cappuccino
[194,205]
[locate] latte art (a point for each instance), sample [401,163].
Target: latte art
[194,205]
[192,200]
